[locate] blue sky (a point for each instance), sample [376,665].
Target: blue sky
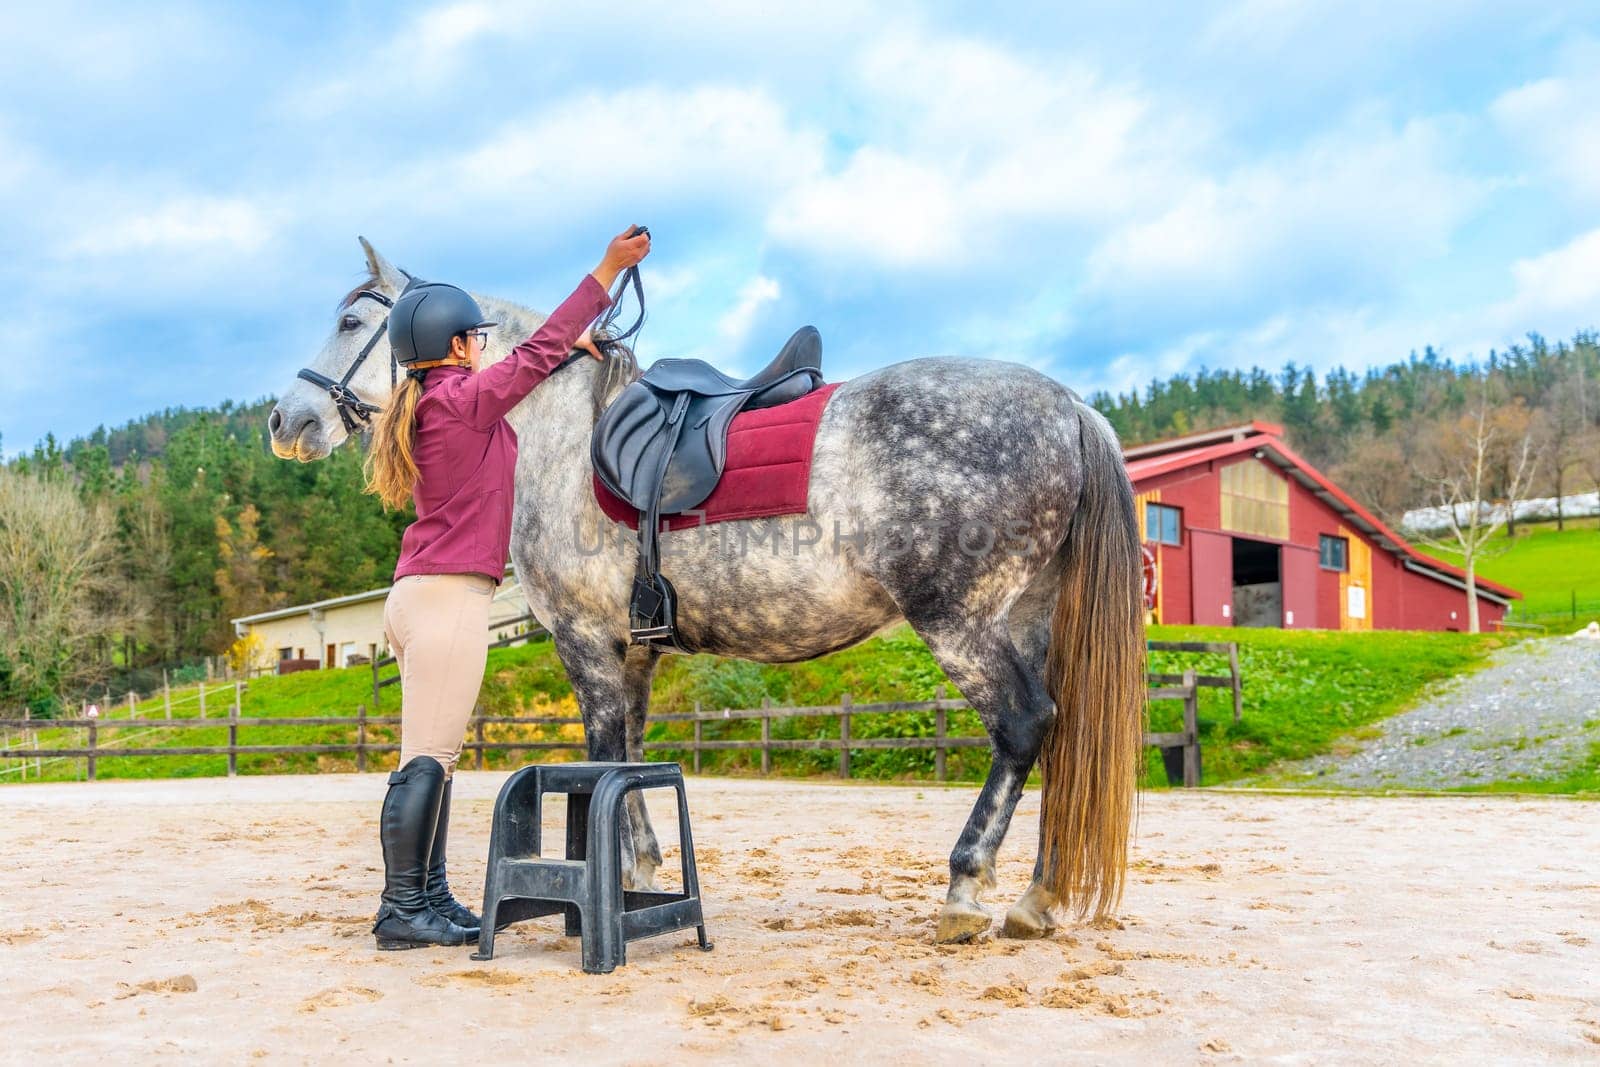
[1107,193]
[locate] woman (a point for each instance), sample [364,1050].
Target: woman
[442,442]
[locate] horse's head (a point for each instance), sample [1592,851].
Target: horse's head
[306,424]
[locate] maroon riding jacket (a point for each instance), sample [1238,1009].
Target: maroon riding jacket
[466,451]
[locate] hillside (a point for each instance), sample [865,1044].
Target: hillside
[1557,571]
[204,524]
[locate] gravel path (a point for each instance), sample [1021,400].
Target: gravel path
[1533,712]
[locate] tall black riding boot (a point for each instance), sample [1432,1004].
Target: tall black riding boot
[406,828]
[439,895]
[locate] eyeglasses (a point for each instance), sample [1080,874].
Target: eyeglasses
[481,336]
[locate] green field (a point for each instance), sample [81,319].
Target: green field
[1552,569]
[1305,692]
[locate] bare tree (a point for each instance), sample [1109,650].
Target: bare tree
[1472,456]
[1588,451]
[1381,473]
[1561,426]
[59,592]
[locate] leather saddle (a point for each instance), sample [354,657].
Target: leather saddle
[661,445]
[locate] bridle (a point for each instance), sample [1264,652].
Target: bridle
[603,338]
[356,414]
[352,409]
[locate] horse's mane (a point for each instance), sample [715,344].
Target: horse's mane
[365,284]
[619,369]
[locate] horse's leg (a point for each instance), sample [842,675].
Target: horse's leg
[980,658]
[595,660]
[1029,624]
[639,667]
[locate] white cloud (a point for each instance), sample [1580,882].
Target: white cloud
[735,325]
[971,152]
[1556,292]
[713,144]
[665,283]
[19,162]
[881,209]
[1343,214]
[73,46]
[179,225]
[424,53]
[1556,121]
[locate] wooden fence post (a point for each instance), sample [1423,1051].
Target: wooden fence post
[697,736]
[233,738]
[1191,731]
[939,730]
[477,733]
[1233,668]
[361,738]
[94,730]
[766,736]
[844,736]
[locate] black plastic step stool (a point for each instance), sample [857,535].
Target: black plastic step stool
[587,884]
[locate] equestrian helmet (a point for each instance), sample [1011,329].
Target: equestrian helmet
[426,316]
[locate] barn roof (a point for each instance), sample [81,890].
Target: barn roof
[324,605]
[1145,462]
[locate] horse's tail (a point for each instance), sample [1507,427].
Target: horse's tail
[1095,672]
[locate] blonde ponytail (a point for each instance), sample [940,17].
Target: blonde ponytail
[391,471]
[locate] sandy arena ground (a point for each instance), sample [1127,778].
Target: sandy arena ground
[230,919]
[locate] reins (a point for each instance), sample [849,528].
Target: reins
[356,414]
[604,340]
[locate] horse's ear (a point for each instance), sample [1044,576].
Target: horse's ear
[382,269]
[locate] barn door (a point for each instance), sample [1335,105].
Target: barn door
[1213,578]
[1299,587]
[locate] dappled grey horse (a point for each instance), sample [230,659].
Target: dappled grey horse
[978,500]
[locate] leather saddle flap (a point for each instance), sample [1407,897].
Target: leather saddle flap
[637,427]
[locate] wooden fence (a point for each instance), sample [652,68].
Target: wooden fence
[149,719]
[942,742]
[1231,680]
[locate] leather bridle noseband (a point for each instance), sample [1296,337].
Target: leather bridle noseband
[352,409]
[356,414]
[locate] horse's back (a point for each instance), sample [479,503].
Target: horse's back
[947,428]
[966,472]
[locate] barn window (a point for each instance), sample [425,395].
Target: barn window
[286,653]
[1255,501]
[1161,524]
[1335,553]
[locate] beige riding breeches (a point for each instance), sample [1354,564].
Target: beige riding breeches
[438,629]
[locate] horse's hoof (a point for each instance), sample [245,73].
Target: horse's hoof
[960,922]
[640,880]
[1025,924]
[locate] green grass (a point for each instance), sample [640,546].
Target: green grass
[1549,567]
[308,694]
[1305,693]
[1581,781]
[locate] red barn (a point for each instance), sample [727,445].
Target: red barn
[1246,533]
